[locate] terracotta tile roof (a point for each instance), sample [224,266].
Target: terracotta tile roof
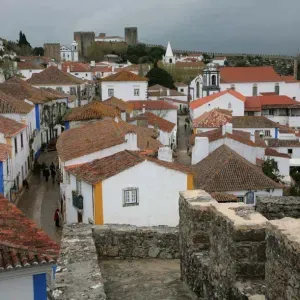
[90,111]
[199,102]
[152,105]
[214,135]
[171,100]
[101,169]
[119,103]
[9,104]
[10,127]
[224,170]
[5,151]
[102,69]
[22,90]
[26,65]
[253,122]
[44,59]
[259,140]
[249,74]
[188,64]
[283,143]
[268,94]
[223,197]
[54,76]
[289,79]
[213,119]
[155,121]
[159,90]
[22,243]
[124,76]
[180,84]
[75,67]
[273,152]
[285,129]
[100,135]
[257,103]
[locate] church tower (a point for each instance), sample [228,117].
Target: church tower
[211,79]
[74,51]
[169,57]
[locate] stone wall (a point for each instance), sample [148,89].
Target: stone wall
[230,251]
[124,241]
[278,207]
[78,274]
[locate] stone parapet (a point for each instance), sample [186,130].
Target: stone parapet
[78,274]
[125,241]
[278,207]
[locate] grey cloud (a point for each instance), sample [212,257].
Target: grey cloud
[208,25]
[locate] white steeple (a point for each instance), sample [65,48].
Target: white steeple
[74,51]
[169,57]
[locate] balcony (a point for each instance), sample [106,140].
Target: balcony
[77,200]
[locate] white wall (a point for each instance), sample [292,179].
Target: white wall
[167,114]
[88,75]
[158,197]
[223,102]
[183,89]
[17,288]
[252,130]
[28,73]
[65,88]
[295,154]
[125,89]
[283,164]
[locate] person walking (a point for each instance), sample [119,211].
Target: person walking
[46,174]
[52,167]
[185,126]
[53,174]
[56,218]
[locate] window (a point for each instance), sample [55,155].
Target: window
[198,90]
[130,197]
[86,74]
[59,89]
[277,88]
[170,60]
[72,91]
[136,92]
[229,105]
[233,87]
[7,167]
[16,145]
[241,199]
[181,90]
[22,144]
[294,98]
[78,187]
[75,73]
[254,90]
[213,80]
[110,92]
[271,112]
[267,133]
[290,151]
[250,113]
[250,199]
[30,71]
[64,55]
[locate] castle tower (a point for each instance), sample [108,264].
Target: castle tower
[211,79]
[74,51]
[52,50]
[131,35]
[84,40]
[169,57]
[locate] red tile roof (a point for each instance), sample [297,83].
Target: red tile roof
[253,122]
[5,151]
[10,127]
[54,76]
[283,143]
[91,111]
[256,103]
[124,76]
[199,102]
[101,169]
[22,243]
[224,170]
[101,135]
[119,104]
[152,105]
[9,104]
[213,119]
[155,121]
[224,197]
[26,65]
[75,67]
[249,74]
[268,94]
[289,79]
[273,152]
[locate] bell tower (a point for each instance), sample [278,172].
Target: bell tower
[74,51]
[211,79]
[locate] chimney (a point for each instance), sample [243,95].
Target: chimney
[102,35]
[116,119]
[59,66]
[123,115]
[68,69]
[144,108]
[131,140]
[227,128]
[252,137]
[113,68]
[165,154]
[93,63]
[200,150]
[168,92]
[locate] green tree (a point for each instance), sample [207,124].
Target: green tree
[23,40]
[270,168]
[156,54]
[160,76]
[38,51]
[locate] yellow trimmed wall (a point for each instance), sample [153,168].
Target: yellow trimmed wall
[98,204]
[190,181]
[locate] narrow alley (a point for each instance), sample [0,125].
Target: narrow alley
[183,141]
[41,199]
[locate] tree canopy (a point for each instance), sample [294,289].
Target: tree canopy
[38,51]
[23,40]
[160,76]
[270,168]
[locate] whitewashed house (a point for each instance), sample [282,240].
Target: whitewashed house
[79,70]
[160,108]
[26,69]
[124,85]
[220,61]
[128,188]
[227,100]
[182,87]
[69,53]
[158,91]
[25,274]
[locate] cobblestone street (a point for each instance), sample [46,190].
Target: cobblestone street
[183,140]
[41,200]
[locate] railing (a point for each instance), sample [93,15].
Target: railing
[77,200]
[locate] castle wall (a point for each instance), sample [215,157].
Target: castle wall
[52,50]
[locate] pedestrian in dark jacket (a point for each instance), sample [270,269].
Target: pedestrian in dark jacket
[52,166]
[46,174]
[26,184]
[56,218]
[53,174]
[185,127]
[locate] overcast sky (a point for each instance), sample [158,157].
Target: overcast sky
[256,26]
